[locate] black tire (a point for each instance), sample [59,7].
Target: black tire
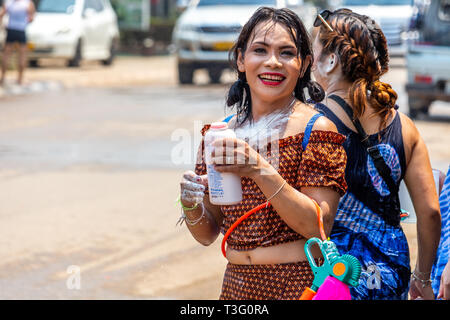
[185,73]
[33,63]
[418,106]
[76,60]
[214,75]
[112,54]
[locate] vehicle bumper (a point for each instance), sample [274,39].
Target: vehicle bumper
[51,48]
[427,92]
[205,50]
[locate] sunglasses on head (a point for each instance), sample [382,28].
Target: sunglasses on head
[325,14]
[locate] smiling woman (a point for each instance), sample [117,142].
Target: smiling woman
[274,160]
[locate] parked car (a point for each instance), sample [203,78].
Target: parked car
[75,30]
[428,58]
[207,29]
[393,16]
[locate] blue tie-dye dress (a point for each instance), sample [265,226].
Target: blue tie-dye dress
[366,224]
[443,252]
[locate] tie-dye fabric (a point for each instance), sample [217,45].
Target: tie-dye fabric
[366,224]
[443,253]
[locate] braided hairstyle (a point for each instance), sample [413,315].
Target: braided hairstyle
[239,93]
[361,47]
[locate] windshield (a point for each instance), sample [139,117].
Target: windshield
[237,2]
[376,2]
[56,6]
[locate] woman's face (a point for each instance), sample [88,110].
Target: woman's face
[271,63]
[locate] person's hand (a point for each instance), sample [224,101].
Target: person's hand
[418,292]
[193,188]
[444,287]
[236,156]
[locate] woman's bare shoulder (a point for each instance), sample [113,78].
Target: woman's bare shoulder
[410,132]
[307,111]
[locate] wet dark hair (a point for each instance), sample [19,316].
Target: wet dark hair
[239,93]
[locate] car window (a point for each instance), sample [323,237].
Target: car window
[56,6]
[237,2]
[444,10]
[97,5]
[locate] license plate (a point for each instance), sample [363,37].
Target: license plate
[31,46]
[222,46]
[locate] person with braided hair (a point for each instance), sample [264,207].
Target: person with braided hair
[383,147]
[266,259]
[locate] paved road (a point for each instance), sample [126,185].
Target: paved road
[89,174]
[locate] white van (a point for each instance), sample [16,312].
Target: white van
[74,30]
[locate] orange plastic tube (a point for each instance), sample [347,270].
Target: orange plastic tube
[245,216]
[308,294]
[262,206]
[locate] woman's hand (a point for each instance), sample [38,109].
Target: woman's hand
[417,291]
[444,288]
[193,188]
[236,156]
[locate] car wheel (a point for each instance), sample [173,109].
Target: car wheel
[76,60]
[33,63]
[418,106]
[112,54]
[185,73]
[215,74]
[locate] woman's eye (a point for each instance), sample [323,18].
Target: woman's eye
[288,53]
[260,50]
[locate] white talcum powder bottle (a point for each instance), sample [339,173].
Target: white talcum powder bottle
[224,188]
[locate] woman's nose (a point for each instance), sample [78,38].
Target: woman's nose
[273,61]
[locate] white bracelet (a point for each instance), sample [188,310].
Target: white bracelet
[278,191]
[183,217]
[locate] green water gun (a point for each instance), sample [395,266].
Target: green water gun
[346,269]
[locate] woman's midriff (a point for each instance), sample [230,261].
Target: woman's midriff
[281,253]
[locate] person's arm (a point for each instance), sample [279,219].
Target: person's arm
[31,12]
[293,206]
[421,186]
[444,288]
[2,13]
[205,220]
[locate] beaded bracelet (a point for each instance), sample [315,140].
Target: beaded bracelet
[424,283]
[183,216]
[186,208]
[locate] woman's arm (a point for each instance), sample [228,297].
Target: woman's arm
[294,207]
[31,12]
[203,222]
[421,186]
[2,14]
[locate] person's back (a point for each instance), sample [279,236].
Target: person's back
[383,146]
[17,11]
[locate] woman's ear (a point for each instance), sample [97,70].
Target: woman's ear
[331,63]
[240,61]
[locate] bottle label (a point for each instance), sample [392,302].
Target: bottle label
[215,182]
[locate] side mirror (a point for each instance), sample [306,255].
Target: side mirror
[88,12]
